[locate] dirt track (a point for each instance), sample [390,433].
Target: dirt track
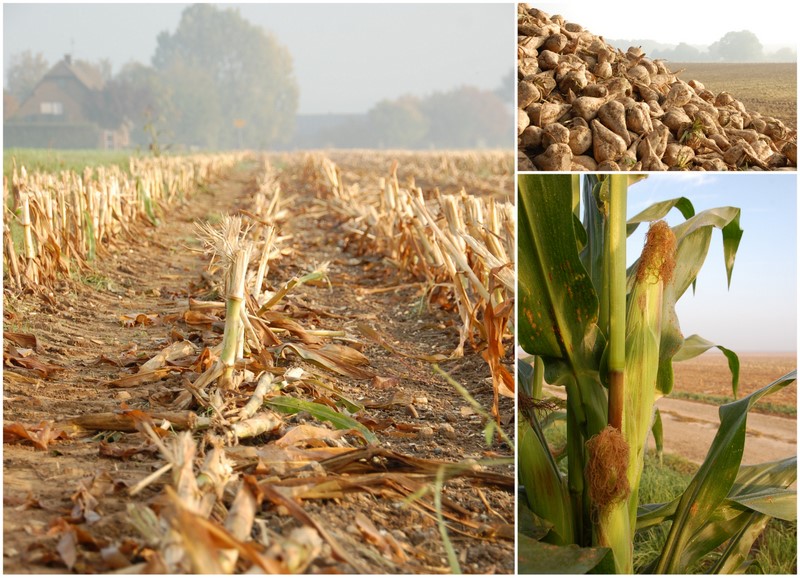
[689,428]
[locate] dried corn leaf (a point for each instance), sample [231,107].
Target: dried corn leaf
[40,436]
[138,319]
[337,358]
[67,548]
[276,497]
[170,353]
[16,358]
[14,377]
[203,539]
[278,320]
[127,421]
[305,433]
[142,377]
[22,339]
[385,542]
[372,334]
[199,319]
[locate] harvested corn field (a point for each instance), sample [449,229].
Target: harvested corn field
[584,105]
[293,363]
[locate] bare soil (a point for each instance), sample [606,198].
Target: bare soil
[412,410]
[709,374]
[768,88]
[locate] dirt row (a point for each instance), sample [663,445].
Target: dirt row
[84,329]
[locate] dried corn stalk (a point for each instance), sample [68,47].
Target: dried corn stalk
[463,242]
[56,219]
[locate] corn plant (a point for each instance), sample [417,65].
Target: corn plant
[609,336]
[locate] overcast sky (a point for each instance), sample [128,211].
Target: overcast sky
[346,57]
[759,312]
[693,22]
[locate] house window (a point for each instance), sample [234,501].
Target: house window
[54,108]
[109,140]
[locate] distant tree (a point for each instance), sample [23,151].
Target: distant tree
[134,95]
[785,54]
[230,82]
[467,117]
[508,87]
[25,70]
[685,53]
[398,123]
[741,46]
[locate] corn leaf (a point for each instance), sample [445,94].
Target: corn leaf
[658,436]
[734,558]
[545,488]
[292,405]
[558,306]
[695,345]
[715,478]
[553,322]
[538,558]
[334,357]
[752,479]
[659,210]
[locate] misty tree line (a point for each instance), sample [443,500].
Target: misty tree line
[739,46]
[219,82]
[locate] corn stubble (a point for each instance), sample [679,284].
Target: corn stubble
[205,517]
[66,220]
[461,243]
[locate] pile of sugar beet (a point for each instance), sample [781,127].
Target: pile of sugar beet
[584,105]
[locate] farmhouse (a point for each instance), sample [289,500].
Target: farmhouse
[66,110]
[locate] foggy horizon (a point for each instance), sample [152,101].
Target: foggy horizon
[693,23]
[372,53]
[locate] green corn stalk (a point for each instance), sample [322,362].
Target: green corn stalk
[610,338]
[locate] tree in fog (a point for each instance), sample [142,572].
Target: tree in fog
[467,117]
[134,94]
[25,70]
[785,54]
[742,46]
[398,123]
[684,53]
[508,87]
[229,81]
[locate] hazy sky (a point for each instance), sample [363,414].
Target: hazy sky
[346,57]
[695,22]
[759,312]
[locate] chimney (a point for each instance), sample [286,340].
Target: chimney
[68,58]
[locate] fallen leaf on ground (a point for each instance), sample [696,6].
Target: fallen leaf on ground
[21,339]
[379,382]
[142,377]
[303,433]
[40,436]
[170,353]
[140,319]
[337,358]
[15,358]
